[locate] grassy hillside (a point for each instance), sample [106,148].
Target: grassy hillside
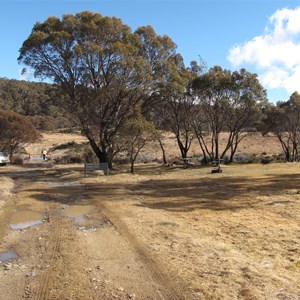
[74,145]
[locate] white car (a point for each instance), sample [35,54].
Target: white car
[4,158]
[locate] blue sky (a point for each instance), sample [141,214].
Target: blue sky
[261,35]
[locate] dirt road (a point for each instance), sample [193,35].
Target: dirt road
[161,234]
[76,251]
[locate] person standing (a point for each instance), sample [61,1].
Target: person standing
[44,154]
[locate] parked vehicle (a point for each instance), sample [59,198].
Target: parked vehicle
[4,158]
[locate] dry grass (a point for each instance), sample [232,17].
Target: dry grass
[254,144]
[234,235]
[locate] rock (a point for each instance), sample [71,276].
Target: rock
[174,245]
[7,266]
[23,267]
[267,265]
[199,294]
[31,274]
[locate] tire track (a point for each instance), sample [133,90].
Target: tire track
[168,290]
[55,243]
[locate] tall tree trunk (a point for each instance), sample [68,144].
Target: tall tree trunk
[163,150]
[102,157]
[203,148]
[131,166]
[285,148]
[183,150]
[216,147]
[233,148]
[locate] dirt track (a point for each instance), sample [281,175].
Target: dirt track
[162,234]
[93,258]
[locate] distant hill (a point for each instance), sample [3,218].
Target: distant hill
[37,100]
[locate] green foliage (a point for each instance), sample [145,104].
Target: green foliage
[134,135]
[40,101]
[22,151]
[27,98]
[103,69]
[228,101]
[284,121]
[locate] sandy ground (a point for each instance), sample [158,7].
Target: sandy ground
[162,233]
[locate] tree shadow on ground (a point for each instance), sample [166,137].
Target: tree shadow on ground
[226,193]
[179,195]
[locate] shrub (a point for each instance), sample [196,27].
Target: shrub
[145,158]
[266,159]
[121,159]
[89,156]
[17,160]
[67,145]
[244,158]
[69,159]
[23,151]
[62,122]
[43,122]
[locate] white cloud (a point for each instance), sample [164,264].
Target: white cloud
[276,53]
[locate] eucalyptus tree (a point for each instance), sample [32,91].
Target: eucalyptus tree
[177,110]
[283,120]
[227,102]
[243,109]
[134,136]
[103,68]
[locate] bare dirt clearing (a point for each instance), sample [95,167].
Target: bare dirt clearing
[163,233]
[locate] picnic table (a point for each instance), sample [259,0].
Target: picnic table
[217,166]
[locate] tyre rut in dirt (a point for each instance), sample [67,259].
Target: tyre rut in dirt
[47,277]
[168,290]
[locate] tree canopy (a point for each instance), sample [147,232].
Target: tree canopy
[283,120]
[103,68]
[227,101]
[134,135]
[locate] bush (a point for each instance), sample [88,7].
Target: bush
[17,160]
[89,156]
[75,160]
[69,159]
[121,159]
[266,159]
[62,122]
[145,158]
[43,122]
[281,157]
[244,158]
[23,151]
[67,145]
